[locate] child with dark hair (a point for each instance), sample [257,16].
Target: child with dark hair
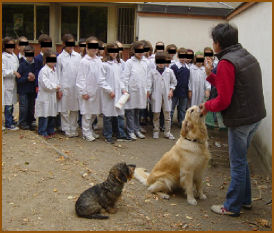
[22,42]
[180,95]
[161,83]
[45,42]
[26,89]
[101,50]
[82,46]
[190,58]
[171,50]
[67,68]
[10,65]
[46,101]
[198,88]
[135,78]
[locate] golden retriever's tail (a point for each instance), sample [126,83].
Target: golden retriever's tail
[141,175]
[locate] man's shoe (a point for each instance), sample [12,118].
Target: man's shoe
[24,127]
[109,140]
[155,135]
[247,207]
[132,136]
[13,128]
[89,138]
[124,139]
[140,135]
[220,209]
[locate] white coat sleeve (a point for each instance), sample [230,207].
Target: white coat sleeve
[101,80]
[7,73]
[46,83]
[173,80]
[149,82]
[81,79]
[59,69]
[122,83]
[126,74]
[207,85]
[190,81]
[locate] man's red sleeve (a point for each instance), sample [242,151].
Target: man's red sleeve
[224,82]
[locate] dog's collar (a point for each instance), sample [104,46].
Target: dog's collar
[193,140]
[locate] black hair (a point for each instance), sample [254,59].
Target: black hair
[225,34]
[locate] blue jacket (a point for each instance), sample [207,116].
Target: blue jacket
[24,86]
[38,61]
[182,76]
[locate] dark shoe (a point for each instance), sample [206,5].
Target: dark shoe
[124,139]
[24,127]
[247,207]
[109,140]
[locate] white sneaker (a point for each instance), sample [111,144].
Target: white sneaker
[13,128]
[72,134]
[155,135]
[169,136]
[132,136]
[89,138]
[140,135]
[95,135]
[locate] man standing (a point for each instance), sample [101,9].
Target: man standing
[241,101]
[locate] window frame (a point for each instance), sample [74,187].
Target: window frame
[35,39]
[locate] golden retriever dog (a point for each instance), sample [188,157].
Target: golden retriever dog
[184,164]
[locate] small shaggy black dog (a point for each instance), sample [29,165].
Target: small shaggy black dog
[104,195]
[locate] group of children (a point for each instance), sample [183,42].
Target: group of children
[74,88]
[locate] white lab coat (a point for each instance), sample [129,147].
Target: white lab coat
[89,80]
[46,101]
[67,68]
[151,62]
[112,74]
[198,84]
[135,80]
[10,64]
[159,87]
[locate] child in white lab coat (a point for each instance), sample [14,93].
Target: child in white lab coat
[46,101]
[135,79]
[161,83]
[111,94]
[67,68]
[89,80]
[198,87]
[10,65]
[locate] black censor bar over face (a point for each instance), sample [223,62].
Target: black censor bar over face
[93,45]
[190,56]
[10,46]
[29,54]
[51,60]
[146,49]
[171,51]
[162,61]
[139,50]
[23,43]
[200,59]
[121,49]
[209,54]
[160,47]
[183,55]
[82,45]
[113,50]
[46,44]
[101,48]
[70,43]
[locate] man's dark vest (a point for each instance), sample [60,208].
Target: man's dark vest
[247,103]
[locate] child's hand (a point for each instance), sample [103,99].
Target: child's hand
[59,95]
[112,95]
[36,89]
[85,97]
[17,74]
[124,92]
[208,65]
[170,94]
[148,94]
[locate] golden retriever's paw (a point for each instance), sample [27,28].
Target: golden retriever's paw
[192,201]
[202,196]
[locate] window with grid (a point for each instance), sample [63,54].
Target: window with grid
[126,17]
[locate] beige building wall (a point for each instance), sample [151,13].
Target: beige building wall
[193,33]
[255,34]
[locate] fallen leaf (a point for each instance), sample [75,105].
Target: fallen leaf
[190,218]
[71,197]
[85,174]
[55,190]
[263,222]
[173,204]
[147,200]
[27,163]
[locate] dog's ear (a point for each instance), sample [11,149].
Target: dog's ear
[122,177]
